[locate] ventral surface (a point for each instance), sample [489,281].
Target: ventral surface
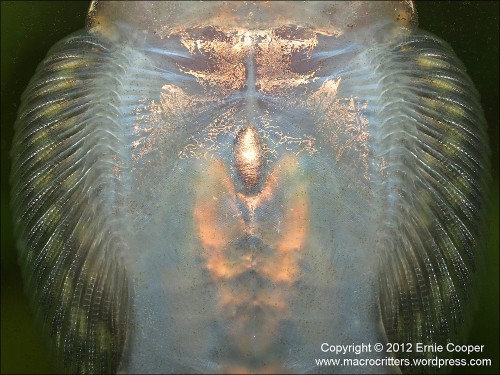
[224,186]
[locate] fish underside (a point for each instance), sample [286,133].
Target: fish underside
[228,197]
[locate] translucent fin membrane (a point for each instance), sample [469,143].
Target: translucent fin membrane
[435,142]
[64,193]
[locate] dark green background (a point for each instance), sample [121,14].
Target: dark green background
[29,29]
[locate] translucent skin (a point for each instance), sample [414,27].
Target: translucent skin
[246,165]
[247,271]
[329,17]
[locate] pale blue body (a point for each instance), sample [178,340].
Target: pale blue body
[156,240]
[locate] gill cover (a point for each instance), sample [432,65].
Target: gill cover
[224,186]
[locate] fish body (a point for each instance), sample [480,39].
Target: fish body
[226,186]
